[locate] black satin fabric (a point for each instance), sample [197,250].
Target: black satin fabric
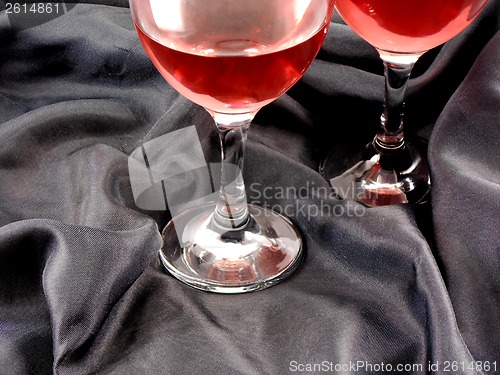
[81,288]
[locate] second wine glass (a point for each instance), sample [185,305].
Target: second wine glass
[232,57]
[394,170]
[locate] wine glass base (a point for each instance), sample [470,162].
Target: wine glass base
[394,177]
[200,254]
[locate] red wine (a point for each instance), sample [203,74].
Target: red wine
[408,26]
[240,66]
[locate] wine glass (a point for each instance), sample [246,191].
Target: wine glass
[395,170]
[232,57]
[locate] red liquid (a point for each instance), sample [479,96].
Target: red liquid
[408,26]
[223,82]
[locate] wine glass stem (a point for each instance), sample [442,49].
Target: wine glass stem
[231,212]
[391,135]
